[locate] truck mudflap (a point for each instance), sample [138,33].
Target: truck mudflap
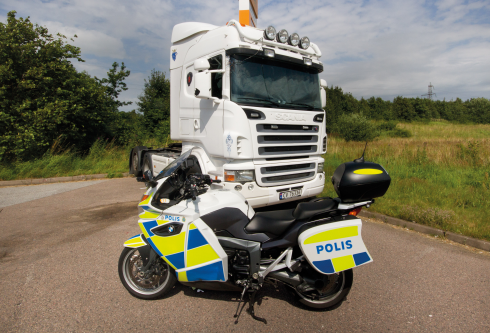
[334,247]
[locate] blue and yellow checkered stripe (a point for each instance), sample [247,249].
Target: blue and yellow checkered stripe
[199,252]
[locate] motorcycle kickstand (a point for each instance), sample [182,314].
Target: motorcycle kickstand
[252,310]
[237,315]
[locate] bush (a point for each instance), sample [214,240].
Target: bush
[355,127]
[400,133]
[388,125]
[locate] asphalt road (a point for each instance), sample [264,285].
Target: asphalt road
[58,273]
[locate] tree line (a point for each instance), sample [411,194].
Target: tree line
[402,109]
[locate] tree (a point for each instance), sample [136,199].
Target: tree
[154,102]
[114,84]
[42,97]
[403,109]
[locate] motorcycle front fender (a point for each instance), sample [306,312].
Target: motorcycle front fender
[146,251]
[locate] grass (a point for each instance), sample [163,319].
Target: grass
[440,176]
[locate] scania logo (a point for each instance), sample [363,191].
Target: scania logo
[290,117]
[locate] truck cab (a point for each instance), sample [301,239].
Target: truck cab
[249,101]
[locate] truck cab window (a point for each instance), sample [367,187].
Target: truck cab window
[216,78]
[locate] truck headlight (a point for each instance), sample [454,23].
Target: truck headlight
[319,168]
[239,175]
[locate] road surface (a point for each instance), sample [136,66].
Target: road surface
[58,273]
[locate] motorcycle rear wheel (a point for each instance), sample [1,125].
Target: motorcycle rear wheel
[333,294]
[152,284]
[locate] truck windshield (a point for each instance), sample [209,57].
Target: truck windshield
[270,83]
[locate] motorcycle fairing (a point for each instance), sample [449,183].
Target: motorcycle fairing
[135,241]
[195,252]
[334,247]
[146,210]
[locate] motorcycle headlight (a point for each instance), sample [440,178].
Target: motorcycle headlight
[239,175]
[319,168]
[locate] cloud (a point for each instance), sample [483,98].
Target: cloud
[370,47]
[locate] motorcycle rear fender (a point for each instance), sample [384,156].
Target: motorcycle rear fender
[334,247]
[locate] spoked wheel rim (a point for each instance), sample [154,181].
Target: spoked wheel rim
[146,283]
[332,290]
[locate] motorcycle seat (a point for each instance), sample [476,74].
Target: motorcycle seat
[306,210]
[271,223]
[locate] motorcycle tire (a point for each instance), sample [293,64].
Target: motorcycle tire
[336,294]
[141,285]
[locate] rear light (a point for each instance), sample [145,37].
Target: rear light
[145,196]
[355,211]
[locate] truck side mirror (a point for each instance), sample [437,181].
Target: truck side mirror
[202,85]
[201,65]
[323,93]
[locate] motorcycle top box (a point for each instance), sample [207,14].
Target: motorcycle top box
[359,181]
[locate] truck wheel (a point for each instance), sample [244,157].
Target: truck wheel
[147,165]
[134,165]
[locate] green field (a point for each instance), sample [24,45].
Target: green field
[440,176]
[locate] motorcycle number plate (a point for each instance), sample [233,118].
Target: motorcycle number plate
[289,194]
[334,247]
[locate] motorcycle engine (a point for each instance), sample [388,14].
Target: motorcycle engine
[239,262]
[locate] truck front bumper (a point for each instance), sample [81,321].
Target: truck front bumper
[263,196]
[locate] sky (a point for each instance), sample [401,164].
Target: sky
[370,48]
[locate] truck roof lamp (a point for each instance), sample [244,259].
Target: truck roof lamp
[304,43]
[282,36]
[293,39]
[270,33]
[269,53]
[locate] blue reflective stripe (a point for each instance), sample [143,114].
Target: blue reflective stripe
[212,272]
[196,239]
[325,266]
[177,260]
[361,258]
[148,225]
[134,236]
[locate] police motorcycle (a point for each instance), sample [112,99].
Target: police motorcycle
[213,239]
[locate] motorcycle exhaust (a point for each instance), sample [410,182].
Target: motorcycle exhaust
[287,277]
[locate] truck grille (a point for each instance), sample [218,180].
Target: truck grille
[286,149]
[285,174]
[297,176]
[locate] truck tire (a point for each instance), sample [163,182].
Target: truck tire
[135,161]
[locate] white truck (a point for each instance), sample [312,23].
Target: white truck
[249,101]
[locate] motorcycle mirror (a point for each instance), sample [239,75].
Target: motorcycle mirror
[148,177]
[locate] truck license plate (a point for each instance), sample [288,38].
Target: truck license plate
[289,194]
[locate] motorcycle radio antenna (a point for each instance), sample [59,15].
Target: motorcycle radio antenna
[361,159]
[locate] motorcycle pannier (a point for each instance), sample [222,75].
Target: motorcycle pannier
[360,181]
[334,247]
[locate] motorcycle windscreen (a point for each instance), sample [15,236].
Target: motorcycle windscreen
[334,247]
[191,248]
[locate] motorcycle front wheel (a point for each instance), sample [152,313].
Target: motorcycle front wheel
[153,283]
[332,293]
